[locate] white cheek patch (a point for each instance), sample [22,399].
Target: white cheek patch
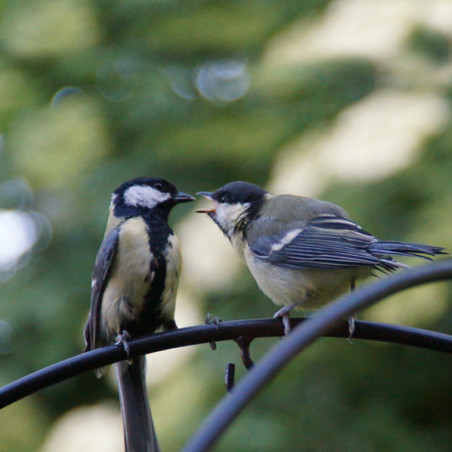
[144,196]
[228,215]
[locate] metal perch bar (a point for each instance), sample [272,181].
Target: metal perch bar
[304,335]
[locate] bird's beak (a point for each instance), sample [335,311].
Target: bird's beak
[208,196]
[181,197]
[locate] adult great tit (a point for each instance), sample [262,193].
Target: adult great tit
[134,289]
[302,252]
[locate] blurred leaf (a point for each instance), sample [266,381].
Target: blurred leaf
[48,28]
[56,145]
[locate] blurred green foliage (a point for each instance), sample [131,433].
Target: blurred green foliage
[95,92]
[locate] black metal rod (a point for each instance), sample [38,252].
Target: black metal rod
[300,338]
[201,334]
[76,365]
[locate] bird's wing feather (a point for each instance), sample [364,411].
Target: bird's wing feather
[101,271]
[327,241]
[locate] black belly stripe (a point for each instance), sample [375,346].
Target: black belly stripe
[150,318]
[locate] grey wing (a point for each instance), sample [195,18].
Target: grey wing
[101,272]
[328,241]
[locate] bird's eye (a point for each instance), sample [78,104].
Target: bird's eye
[223,198]
[158,185]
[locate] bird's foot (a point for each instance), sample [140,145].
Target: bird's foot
[209,320]
[351,327]
[122,339]
[284,314]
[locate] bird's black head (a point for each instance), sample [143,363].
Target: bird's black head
[235,204]
[239,192]
[144,194]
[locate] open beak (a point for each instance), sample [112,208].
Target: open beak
[208,196]
[181,197]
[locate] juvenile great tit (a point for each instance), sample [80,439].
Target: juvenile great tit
[302,252]
[134,289]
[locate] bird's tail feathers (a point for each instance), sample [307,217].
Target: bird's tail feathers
[389,265]
[139,431]
[406,249]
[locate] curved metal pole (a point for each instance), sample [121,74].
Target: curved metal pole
[202,334]
[205,334]
[300,338]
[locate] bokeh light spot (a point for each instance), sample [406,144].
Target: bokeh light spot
[18,234]
[223,81]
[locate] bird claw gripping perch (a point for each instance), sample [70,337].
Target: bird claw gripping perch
[122,340]
[209,320]
[284,315]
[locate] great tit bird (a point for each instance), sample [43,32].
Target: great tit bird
[302,252]
[134,289]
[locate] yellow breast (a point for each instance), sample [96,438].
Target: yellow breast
[129,279]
